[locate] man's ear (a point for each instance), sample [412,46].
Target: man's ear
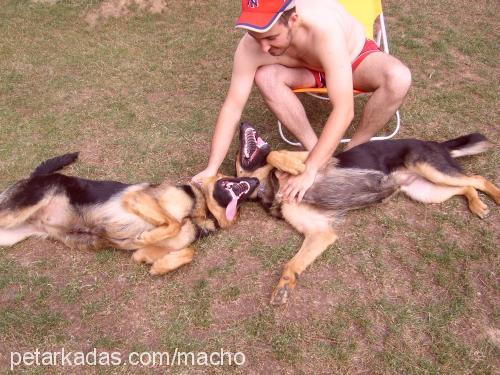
[293,19]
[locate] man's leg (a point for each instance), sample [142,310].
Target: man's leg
[389,80]
[275,83]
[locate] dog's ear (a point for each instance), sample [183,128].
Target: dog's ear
[219,212]
[237,165]
[240,172]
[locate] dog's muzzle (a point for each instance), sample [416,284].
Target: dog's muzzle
[253,149]
[229,192]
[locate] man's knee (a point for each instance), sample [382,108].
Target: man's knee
[398,80]
[268,78]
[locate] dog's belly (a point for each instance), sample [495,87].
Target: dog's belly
[113,221]
[423,190]
[305,218]
[57,215]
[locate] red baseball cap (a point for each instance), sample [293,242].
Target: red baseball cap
[261,15]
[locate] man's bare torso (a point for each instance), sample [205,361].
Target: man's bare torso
[317,19]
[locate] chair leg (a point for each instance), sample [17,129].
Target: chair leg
[396,130]
[384,33]
[345,140]
[280,128]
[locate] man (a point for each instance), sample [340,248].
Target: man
[307,43]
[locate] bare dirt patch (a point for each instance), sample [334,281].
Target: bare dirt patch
[48,2]
[494,336]
[122,8]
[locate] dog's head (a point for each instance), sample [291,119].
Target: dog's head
[251,157]
[223,195]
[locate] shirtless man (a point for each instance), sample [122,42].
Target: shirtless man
[302,43]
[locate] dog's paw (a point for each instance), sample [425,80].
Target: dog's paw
[139,256]
[162,266]
[158,269]
[496,198]
[280,295]
[144,238]
[284,288]
[172,261]
[294,167]
[286,161]
[479,208]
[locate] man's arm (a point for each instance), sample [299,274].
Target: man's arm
[335,60]
[338,72]
[245,65]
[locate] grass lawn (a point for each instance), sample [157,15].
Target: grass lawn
[407,289]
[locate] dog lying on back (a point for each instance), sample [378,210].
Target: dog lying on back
[159,222]
[365,175]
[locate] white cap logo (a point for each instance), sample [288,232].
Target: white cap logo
[253,3]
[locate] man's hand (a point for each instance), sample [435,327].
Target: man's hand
[293,188]
[203,175]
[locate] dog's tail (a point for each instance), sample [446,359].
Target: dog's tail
[53,165]
[470,144]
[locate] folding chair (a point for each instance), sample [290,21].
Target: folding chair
[365,11]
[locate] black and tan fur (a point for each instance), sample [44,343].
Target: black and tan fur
[364,175]
[159,222]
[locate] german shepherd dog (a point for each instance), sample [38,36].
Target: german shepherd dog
[159,222]
[362,176]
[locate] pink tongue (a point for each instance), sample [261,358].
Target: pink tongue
[231,209]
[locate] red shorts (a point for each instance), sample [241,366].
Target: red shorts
[369,47]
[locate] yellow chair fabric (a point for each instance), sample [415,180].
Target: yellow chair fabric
[365,11]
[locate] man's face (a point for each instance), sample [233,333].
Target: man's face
[275,41]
